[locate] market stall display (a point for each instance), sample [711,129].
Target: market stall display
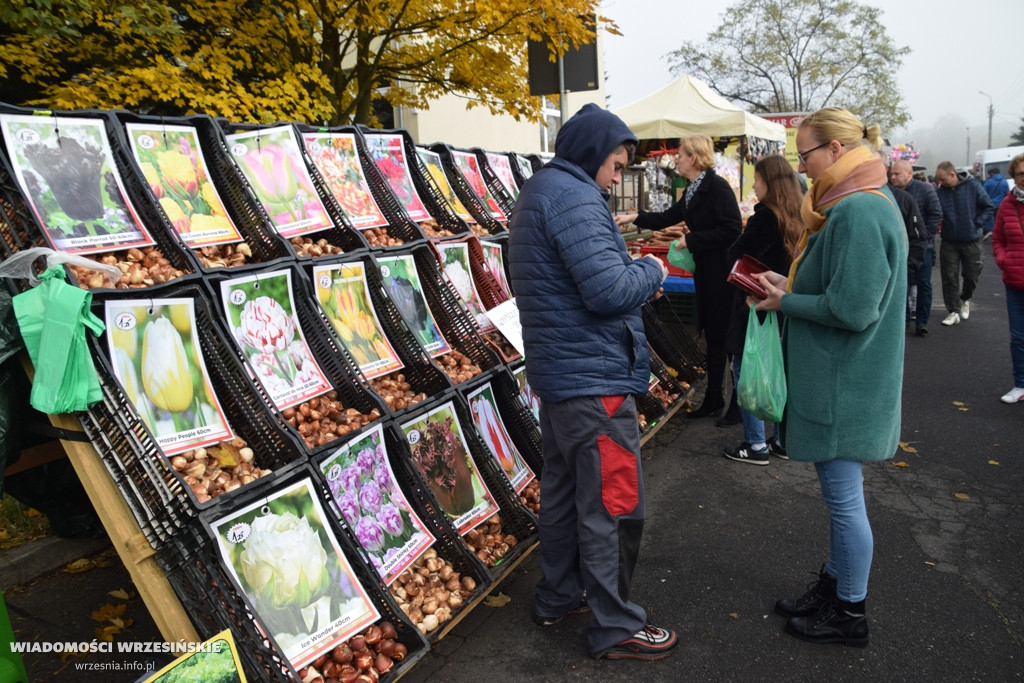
[327,448]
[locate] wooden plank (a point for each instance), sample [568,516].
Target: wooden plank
[660,423]
[127,538]
[36,456]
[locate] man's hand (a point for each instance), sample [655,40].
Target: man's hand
[664,268]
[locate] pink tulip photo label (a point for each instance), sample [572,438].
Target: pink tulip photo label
[270,159]
[261,317]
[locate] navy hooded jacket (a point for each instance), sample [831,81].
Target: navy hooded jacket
[578,292]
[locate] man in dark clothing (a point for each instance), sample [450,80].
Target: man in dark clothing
[579,296]
[966,210]
[997,187]
[902,176]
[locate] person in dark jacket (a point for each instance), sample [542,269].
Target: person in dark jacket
[966,210]
[1008,248]
[713,222]
[902,176]
[917,236]
[579,296]
[770,236]
[996,187]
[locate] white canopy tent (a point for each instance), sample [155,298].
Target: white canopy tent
[688,106]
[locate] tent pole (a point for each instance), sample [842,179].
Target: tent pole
[563,105]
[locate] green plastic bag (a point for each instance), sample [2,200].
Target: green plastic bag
[53,318]
[761,389]
[680,257]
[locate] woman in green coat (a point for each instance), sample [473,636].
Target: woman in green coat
[843,342]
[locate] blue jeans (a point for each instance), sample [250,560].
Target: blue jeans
[923,280]
[1015,312]
[753,428]
[851,543]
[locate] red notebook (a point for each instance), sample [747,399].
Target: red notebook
[744,275]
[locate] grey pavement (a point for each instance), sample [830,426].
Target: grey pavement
[724,540]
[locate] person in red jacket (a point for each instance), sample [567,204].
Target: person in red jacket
[1008,245]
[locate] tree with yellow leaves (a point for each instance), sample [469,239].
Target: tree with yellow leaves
[318,61]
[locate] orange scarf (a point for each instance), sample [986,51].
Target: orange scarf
[857,170]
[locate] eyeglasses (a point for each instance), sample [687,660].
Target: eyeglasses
[802,156]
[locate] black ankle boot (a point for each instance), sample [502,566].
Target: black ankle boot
[818,593]
[732,414]
[837,621]
[709,408]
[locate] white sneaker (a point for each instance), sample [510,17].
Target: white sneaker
[1013,395]
[952,319]
[965,310]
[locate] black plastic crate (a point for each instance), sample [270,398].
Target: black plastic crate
[214,600]
[516,518]
[522,426]
[141,197]
[426,187]
[447,543]
[142,471]
[265,246]
[425,378]
[340,239]
[17,224]
[683,306]
[495,186]
[455,322]
[399,226]
[474,203]
[666,381]
[651,409]
[336,362]
[673,344]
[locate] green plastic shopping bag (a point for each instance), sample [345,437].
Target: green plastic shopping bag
[761,389]
[53,318]
[680,257]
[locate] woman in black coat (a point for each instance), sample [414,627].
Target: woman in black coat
[770,236]
[713,221]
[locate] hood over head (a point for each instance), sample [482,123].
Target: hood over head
[589,136]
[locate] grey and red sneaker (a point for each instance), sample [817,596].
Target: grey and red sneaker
[650,642]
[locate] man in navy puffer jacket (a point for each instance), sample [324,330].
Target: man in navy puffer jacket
[579,296]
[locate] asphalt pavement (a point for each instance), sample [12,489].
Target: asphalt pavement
[724,540]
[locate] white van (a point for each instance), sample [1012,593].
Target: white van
[998,158]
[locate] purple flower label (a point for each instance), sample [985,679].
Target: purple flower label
[391,519]
[370,497]
[370,534]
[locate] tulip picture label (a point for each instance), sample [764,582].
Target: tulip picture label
[402,283]
[293,571]
[336,157]
[366,494]
[492,430]
[441,454]
[173,164]
[260,314]
[469,166]
[432,161]
[456,267]
[346,303]
[66,172]
[388,153]
[524,389]
[502,167]
[494,262]
[270,159]
[159,362]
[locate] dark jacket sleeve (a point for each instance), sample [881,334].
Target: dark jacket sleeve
[651,220]
[930,208]
[986,212]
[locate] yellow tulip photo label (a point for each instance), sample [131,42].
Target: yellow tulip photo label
[163,372]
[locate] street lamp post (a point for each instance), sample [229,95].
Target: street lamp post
[991,111]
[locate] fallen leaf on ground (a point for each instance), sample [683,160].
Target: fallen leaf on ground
[499,600]
[958,403]
[120,593]
[901,464]
[961,496]
[993,462]
[907,448]
[734,615]
[108,612]
[81,565]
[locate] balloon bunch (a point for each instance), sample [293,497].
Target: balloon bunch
[904,152]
